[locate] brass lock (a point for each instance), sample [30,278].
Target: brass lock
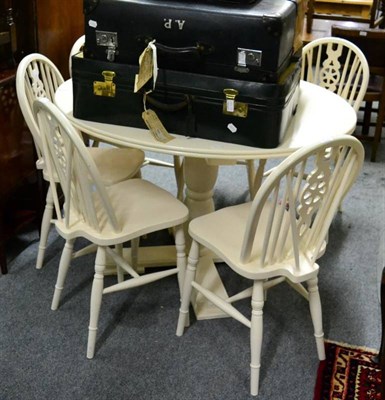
[232,107]
[106,88]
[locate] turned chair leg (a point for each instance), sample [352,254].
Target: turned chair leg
[256,335]
[316,316]
[45,227]
[96,300]
[64,264]
[193,258]
[180,245]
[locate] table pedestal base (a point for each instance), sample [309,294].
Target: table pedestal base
[207,273]
[165,256]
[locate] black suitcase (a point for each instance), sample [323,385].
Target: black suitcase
[189,104]
[239,41]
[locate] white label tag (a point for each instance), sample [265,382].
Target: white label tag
[92,23]
[242,58]
[230,105]
[232,128]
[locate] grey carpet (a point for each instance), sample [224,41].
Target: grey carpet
[138,356]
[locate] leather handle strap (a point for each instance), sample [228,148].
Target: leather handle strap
[200,49]
[168,107]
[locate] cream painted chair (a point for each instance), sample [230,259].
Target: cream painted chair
[38,77]
[277,237]
[106,216]
[337,65]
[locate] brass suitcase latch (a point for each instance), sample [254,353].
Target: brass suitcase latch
[106,88]
[232,107]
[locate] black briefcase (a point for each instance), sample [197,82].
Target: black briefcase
[249,113]
[249,41]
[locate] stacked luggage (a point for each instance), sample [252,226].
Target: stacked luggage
[215,69]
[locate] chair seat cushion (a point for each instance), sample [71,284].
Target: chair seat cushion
[116,164]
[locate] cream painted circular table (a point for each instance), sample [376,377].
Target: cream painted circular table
[321,115]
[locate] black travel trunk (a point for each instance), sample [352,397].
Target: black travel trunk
[190,104]
[236,39]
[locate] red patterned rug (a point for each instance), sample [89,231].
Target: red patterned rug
[348,373]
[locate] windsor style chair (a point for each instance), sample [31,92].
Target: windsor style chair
[277,237]
[107,216]
[38,77]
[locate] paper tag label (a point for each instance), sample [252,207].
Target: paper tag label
[152,46]
[156,127]
[148,67]
[145,69]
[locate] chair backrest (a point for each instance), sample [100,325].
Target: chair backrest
[76,48]
[297,212]
[377,17]
[66,156]
[36,77]
[370,41]
[337,65]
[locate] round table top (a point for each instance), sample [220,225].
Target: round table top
[321,115]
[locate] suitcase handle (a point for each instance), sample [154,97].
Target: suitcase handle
[200,49]
[168,107]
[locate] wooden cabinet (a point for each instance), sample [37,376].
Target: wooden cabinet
[49,27]
[59,24]
[19,188]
